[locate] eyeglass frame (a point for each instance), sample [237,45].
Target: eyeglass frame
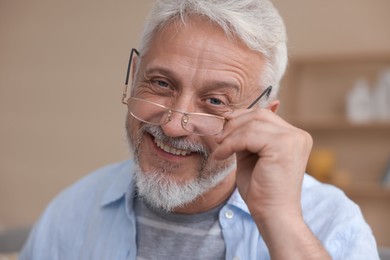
[185,118]
[266,92]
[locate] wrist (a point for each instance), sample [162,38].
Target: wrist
[288,237]
[280,224]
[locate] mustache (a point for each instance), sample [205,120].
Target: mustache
[182,143]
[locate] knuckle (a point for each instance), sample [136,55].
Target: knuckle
[306,138]
[297,138]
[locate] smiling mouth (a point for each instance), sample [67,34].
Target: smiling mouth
[170,149]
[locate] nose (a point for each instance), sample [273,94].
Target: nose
[173,128]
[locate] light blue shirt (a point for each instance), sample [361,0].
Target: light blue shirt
[95,219]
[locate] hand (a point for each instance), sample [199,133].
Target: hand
[271,160]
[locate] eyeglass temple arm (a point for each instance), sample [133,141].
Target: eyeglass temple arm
[267,92]
[124,95]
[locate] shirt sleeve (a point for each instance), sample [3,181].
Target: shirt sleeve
[337,222]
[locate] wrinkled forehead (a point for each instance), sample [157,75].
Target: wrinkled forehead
[198,44]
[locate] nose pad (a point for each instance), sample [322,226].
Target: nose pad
[184,120]
[185,123]
[174,125]
[166,117]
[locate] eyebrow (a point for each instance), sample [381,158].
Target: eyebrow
[210,84]
[161,70]
[222,84]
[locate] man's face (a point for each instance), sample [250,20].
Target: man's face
[195,68]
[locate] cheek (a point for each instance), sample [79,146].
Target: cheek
[132,127]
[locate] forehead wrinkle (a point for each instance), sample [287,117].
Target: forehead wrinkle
[213,74]
[196,59]
[227,67]
[206,53]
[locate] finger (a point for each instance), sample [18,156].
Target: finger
[241,116]
[251,136]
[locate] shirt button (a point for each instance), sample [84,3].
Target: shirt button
[229,215]
[236,258]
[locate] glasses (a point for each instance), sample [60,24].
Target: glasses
[156,114]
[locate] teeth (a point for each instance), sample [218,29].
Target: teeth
[171,150]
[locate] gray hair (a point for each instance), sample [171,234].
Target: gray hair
[255,22]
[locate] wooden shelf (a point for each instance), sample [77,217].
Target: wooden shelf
[313,98]
[341,59]
[367,191]
[339,124]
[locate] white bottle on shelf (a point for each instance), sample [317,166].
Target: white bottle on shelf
[358,103]
[381,97]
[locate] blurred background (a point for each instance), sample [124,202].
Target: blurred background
[62,68]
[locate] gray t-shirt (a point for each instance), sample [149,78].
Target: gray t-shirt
[162,235]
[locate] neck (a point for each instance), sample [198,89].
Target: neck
[211,199]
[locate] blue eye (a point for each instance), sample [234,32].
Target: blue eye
[160,83]
[215,101]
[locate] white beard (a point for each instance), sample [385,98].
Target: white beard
[162,192]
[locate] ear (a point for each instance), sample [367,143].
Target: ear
[274,105]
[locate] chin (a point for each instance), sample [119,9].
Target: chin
[166,180]
[163,192]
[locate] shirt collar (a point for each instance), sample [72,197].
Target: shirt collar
[237,201]
[121,183]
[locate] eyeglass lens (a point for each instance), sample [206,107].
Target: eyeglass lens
[156,114]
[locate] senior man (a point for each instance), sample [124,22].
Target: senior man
[215,173]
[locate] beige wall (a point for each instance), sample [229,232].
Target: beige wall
[62,67]
[333,27]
